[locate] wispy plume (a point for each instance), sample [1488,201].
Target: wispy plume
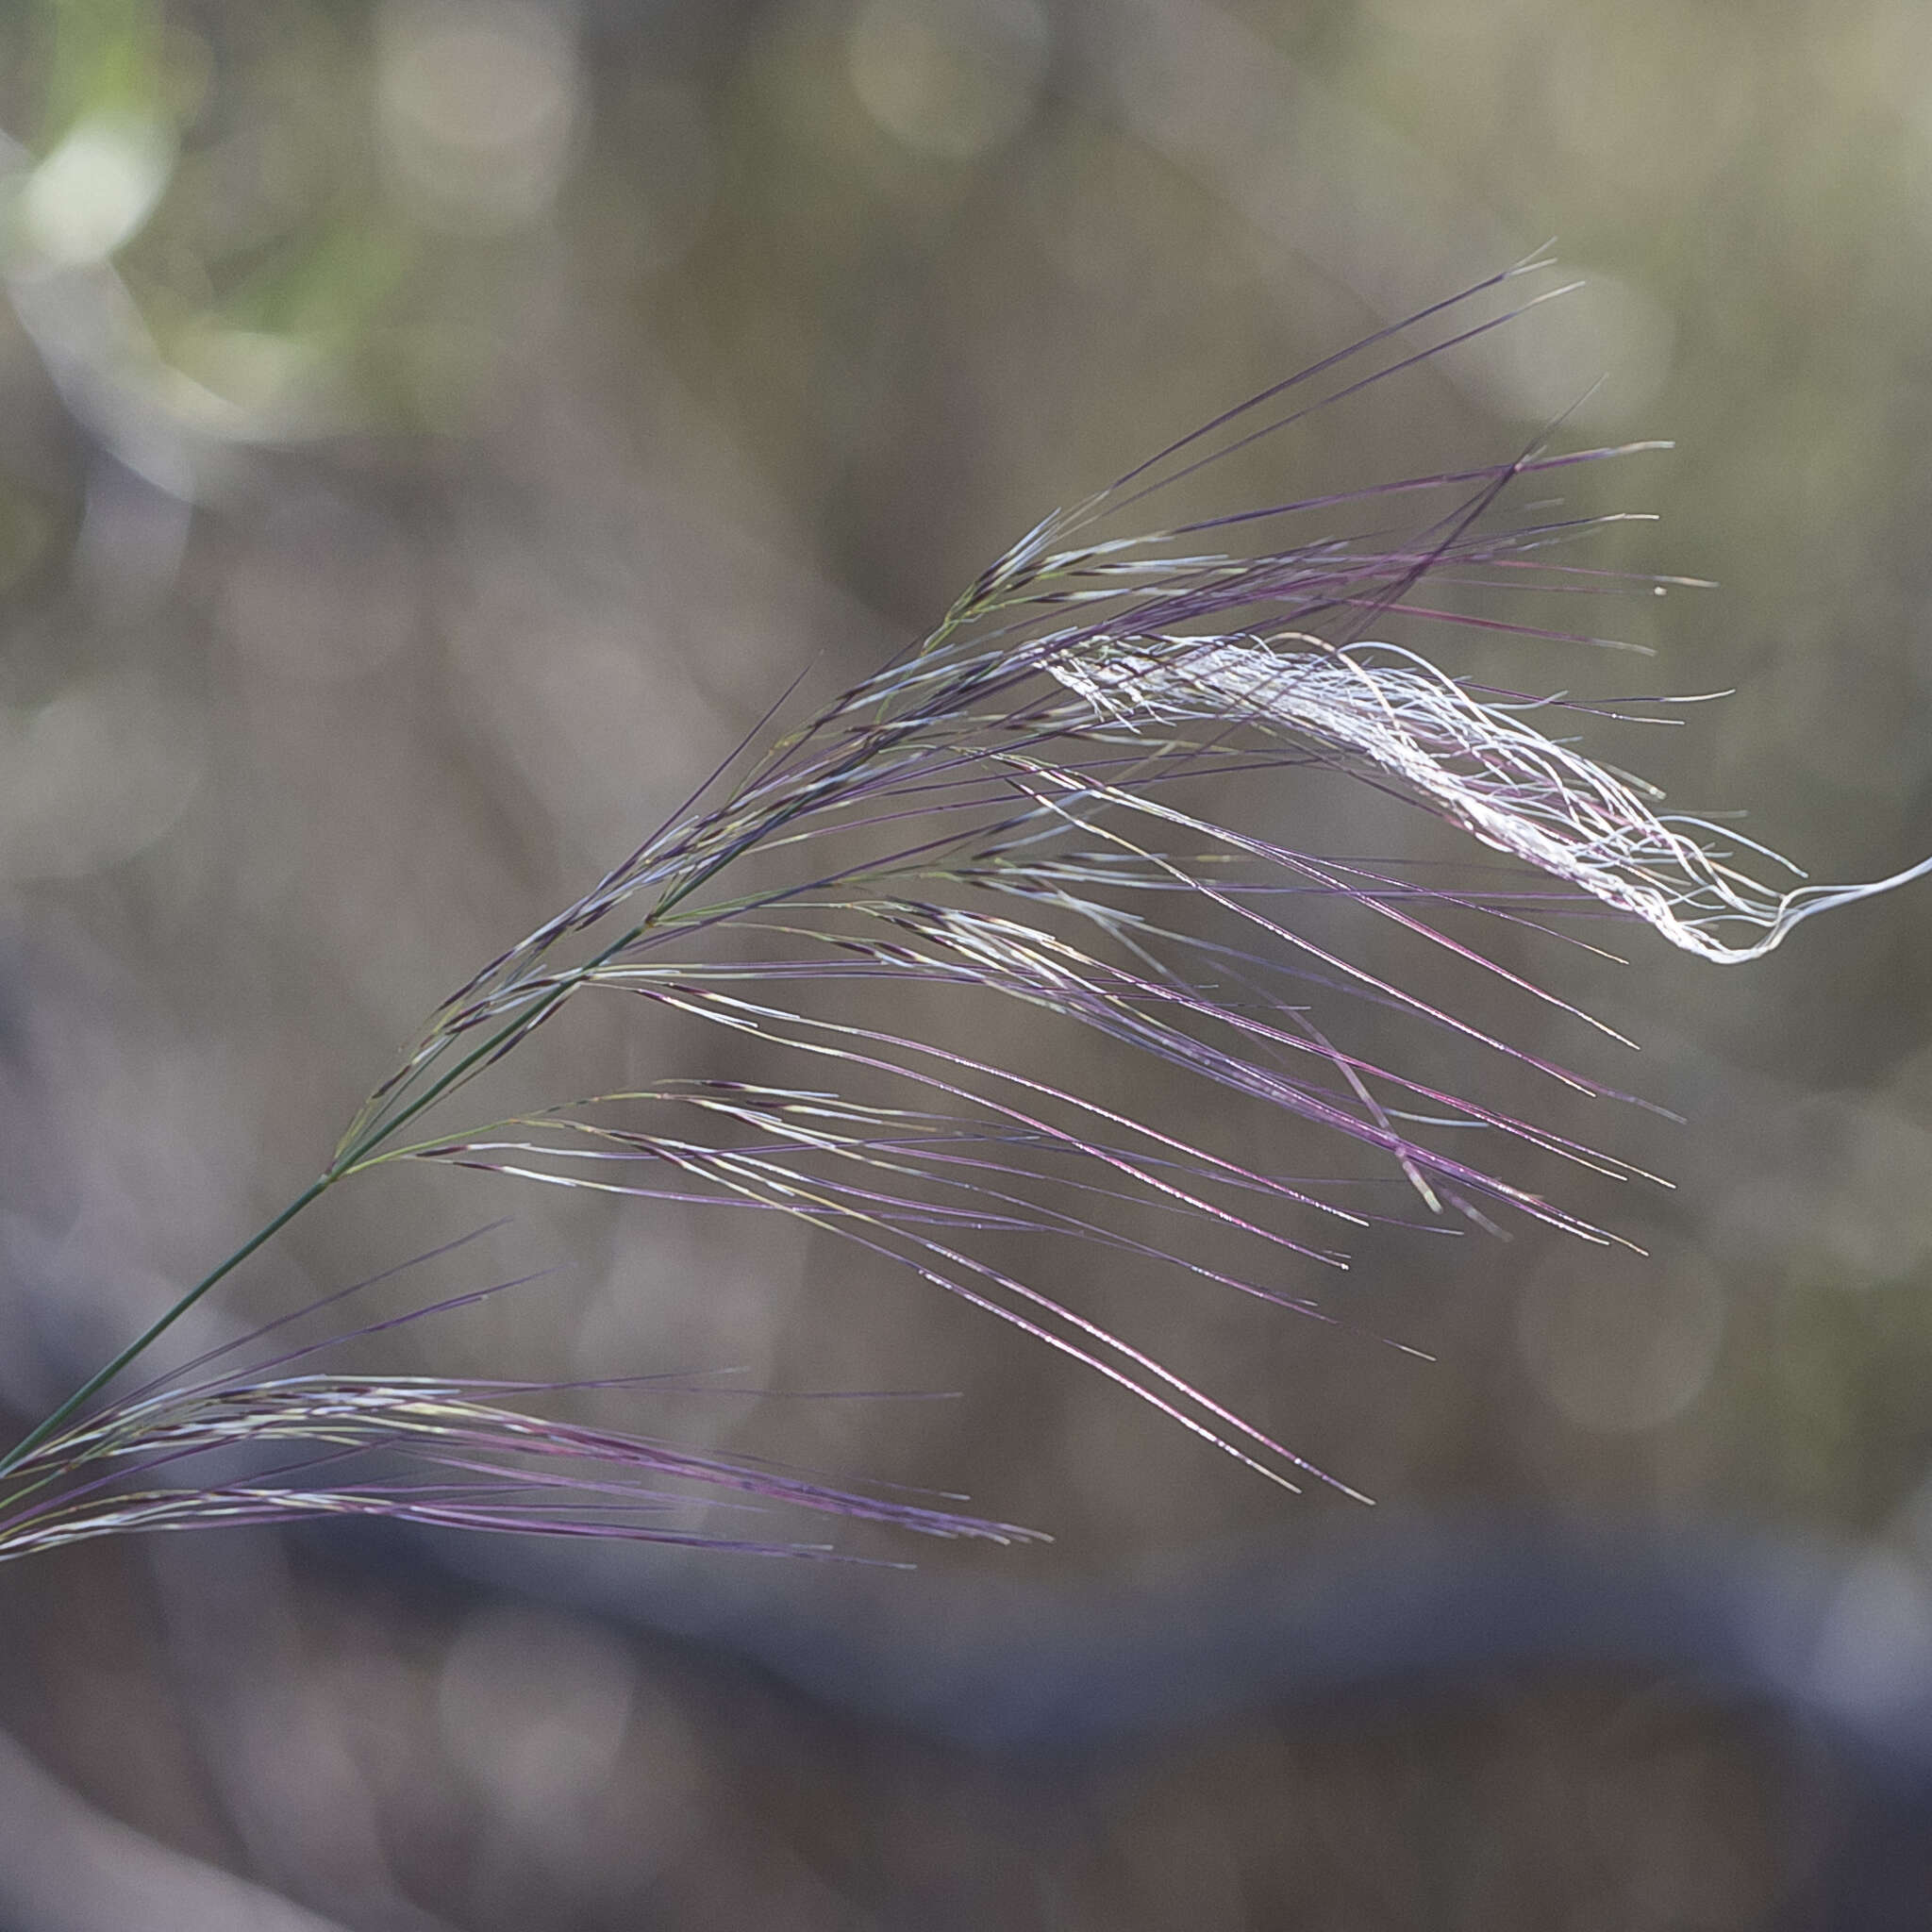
[1384,710]
[1019,809]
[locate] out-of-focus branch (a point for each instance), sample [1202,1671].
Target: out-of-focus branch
[66,1867]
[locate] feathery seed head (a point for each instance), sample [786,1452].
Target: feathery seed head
[1013,811]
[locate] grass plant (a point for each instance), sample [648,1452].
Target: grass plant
[1018,808]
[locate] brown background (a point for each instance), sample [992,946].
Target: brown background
[498,408]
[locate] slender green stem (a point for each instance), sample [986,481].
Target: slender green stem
[351,1158]
[343,1166]
[98,1381]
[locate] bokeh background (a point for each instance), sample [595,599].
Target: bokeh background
[432,435]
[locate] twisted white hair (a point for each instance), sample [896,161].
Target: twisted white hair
[1478,763]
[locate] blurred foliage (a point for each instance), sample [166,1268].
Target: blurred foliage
[431,434]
